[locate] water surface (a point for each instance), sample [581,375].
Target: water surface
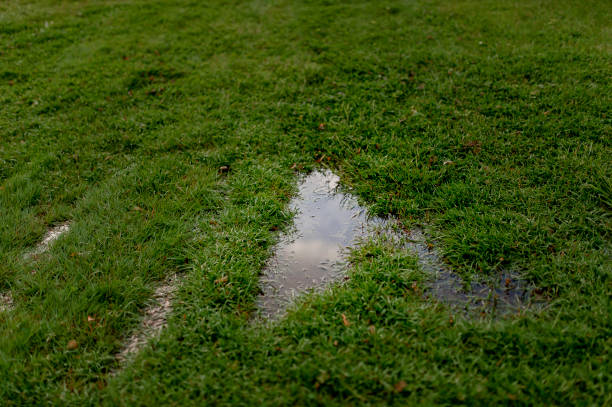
[312,254]
[328,221]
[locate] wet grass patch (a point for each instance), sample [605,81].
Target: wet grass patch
[488,121]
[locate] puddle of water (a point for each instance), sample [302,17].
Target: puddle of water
[327,221]
[154,319]
[51,236]
[311,255]
[508,293]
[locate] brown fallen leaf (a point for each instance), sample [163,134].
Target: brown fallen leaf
[345,321]
[400,386]
[221,280]
[475,146]
[72,344]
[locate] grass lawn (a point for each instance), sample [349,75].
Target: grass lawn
[490,121]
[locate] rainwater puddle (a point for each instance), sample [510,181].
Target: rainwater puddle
[505,294]
[312,255]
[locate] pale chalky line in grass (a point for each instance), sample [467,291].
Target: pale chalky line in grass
[6,298]
[154,319]
[51,236]
[6,301]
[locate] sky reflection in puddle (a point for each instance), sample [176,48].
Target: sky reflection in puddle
[312,254]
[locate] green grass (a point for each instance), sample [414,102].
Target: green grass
[488,120]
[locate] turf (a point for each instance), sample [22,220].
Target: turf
[488,120]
